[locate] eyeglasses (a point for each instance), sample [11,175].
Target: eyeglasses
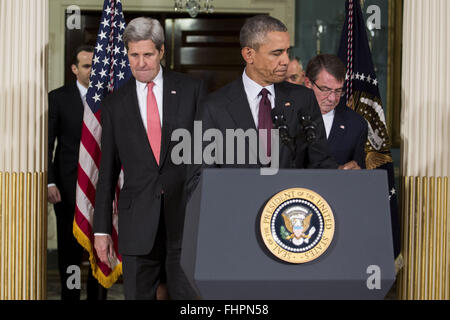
[327,91]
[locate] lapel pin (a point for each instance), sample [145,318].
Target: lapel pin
[342,127]
[287,104]
[173,92]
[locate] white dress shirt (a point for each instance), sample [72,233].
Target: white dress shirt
[252,90]
[328,121]
[142,90]
[83,91]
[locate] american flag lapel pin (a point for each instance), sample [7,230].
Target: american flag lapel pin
[173,92]
[287,104]
[343,127]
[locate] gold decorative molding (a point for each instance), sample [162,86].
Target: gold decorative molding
[23,228]
[425,239]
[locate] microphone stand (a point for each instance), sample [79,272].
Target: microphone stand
[307,131]
[280,123]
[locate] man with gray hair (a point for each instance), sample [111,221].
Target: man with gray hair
[250,101]
[137,123]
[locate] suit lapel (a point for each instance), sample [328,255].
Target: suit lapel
[75,99]
[338,128]
[238,108]
[171,101]
[284,106]
[130,99]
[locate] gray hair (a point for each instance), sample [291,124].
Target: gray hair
[144,29]
[255,30]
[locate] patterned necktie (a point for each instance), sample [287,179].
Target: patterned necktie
[153,122]
[265,117]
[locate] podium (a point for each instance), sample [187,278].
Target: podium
[225,257]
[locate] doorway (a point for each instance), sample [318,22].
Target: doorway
[206,47]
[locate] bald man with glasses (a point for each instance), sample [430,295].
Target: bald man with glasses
[346,130]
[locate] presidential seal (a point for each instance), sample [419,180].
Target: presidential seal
[297,225]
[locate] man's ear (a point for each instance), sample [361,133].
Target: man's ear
[308,83]
[161,52]
[247,54]
[74,70]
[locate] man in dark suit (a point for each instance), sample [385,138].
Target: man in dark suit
[346,130]
[137,123]
[251,101]
[64,125]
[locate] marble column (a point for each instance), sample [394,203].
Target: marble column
[23,136]
[425,150]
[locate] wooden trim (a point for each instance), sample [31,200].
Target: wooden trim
[394,77]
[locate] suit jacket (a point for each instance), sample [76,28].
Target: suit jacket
[228,108]
[125,143]
[64,124]
[348,136]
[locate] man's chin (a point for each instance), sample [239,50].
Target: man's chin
[143,77]
[279,78]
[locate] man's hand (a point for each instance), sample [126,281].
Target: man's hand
[162,293]
[103,244]
[352,165]
[53,195]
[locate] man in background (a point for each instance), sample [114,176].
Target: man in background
[295,73]
[346,130]
[64,126]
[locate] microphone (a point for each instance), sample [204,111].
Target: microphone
[308,127]
[280,123]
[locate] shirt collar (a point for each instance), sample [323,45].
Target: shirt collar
[158,80]
[253,89]
[329,114]
[82,89]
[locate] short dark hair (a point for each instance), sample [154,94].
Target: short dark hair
[292,58]
[328,62]
[84,47]
[255,29]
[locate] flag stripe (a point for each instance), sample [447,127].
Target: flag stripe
[85,194]
[90,145]
[92,124]
[88,165]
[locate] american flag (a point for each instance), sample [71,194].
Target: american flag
[364,97]
[110,70]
